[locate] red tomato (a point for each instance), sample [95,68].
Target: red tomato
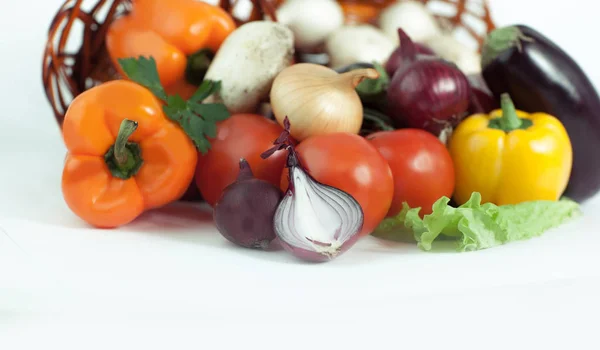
[350,163]
[240,136]
[422,167]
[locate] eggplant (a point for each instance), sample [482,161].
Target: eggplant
[541,77]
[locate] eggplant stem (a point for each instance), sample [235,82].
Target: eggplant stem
[500,40]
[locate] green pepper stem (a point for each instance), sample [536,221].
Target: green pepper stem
[510,120]
[124,158]
[120,151]
[197,66]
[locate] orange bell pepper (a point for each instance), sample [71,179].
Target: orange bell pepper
[181,35]
[124,156]
[363,11]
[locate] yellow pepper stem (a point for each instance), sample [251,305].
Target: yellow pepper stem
[509,114]
[510,120]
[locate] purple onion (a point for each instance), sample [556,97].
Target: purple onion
[406,53]
[315,222]
[481,100]
[429,94]
[244,212]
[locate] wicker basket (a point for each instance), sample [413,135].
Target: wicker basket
[68,71]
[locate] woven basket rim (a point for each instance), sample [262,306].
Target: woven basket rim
[67,74]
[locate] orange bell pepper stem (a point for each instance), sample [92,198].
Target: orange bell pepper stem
[173,32]
[123,155]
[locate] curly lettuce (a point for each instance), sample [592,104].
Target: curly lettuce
[476,226]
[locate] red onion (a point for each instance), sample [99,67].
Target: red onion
[406,53]
[313,221]
[481,99]
[244,212]
[481,102]
[429,93]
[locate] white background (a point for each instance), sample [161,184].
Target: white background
[170,281]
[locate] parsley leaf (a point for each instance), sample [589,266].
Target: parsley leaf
[198,120]
[197,125]
[175,106]
[144,72]
[213,112]
[207,88]
[210,130]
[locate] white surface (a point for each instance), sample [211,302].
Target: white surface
[171,282]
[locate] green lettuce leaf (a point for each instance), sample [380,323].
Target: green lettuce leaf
[476,226]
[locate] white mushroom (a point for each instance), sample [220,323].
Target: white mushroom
[413,17]
[449,48]
[311,21]
[247,63]
[358,43]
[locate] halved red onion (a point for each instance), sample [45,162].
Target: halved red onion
[314,221]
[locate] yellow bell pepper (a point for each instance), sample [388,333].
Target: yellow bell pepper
[510,156]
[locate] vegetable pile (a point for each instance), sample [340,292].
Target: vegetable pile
[402,133]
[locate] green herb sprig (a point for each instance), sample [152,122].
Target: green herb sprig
[197,119]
